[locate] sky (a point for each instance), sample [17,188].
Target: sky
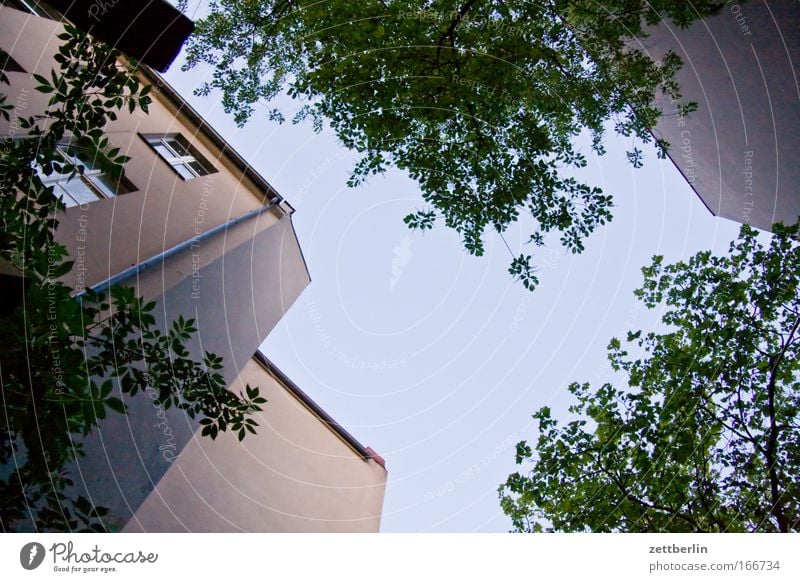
[435,358]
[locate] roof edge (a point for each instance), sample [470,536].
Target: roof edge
[366,453]
[183,107]
[692,187]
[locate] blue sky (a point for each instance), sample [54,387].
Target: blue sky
[435,358]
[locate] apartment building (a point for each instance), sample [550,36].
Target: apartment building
[193,226]
[739,150]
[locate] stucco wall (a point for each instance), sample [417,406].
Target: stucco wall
[242,280]
[295,475]
[114,234]
[239,299]
[739,150]
[237,284]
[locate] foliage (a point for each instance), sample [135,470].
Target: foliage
[478,101]
[705,436]
[63,355]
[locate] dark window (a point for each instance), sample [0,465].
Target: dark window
[8,64]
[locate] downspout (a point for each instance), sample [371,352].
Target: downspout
[164,255]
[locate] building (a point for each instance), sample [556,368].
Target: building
[301,472]
[739,150]
[194,227]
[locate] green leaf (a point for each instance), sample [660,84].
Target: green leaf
[116,405]
[106,388]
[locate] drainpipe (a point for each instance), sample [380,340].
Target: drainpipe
[164,255]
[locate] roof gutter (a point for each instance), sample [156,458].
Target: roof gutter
[164,255]
[366,453]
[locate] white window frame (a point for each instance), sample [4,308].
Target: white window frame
[89,178]
[176,159]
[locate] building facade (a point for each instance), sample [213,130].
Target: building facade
[195,228]
[301,472]
[739,150]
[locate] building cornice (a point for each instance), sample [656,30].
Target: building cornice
[365,453]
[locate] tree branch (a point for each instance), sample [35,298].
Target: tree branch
[658,507]
[772,442]
[449,33]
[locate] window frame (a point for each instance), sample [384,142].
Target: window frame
[89,177]
[176,159]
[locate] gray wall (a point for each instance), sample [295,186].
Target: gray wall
[739,151]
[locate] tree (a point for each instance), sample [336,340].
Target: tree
[478,101]
[705,436]
[63,355]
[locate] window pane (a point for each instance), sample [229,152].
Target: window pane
[80,157]
[80,191]
[180,155]
[184,171]
[62,194]
[105,184]
[198,167]
[71,155]
[164,151]
[177,146]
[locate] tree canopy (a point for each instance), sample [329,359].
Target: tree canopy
[705,436]
[66,357]
[478,101]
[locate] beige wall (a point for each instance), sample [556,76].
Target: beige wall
[165,210]
[251,273]
[151,467]
[295,475]
[242,295]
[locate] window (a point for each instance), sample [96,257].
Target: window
[8,64]
[177,152]
[92,185]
